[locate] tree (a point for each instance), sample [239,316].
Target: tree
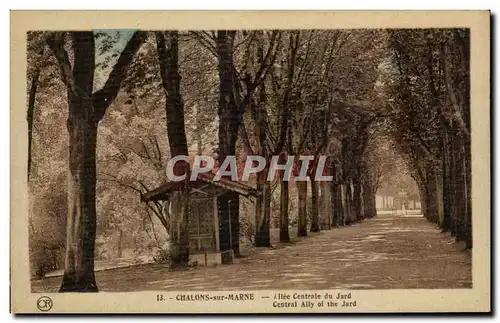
[258,63]
[168,54]
[85,109]
[437,137]
[236,90]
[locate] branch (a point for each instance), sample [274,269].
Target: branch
[306,126]
[160,216]
[143,186]
[456,115]
[325,129]
[103,98]
[158,150]
[55,41]
[152,227]
[146,157]
[245,39]
[272,50]
[348,34]
[245,139]
[302,68]
[119,182]
[205,43]
[285,109]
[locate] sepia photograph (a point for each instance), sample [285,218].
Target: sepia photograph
[295,167]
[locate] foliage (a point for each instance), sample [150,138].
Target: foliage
[47,228]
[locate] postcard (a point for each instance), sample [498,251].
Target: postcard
[250,162]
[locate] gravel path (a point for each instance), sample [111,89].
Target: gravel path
[386,252]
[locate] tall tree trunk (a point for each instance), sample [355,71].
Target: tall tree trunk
[350,214]
[358,216]
[459,191]
[284,199]
[454,210]
[314,207]
[344,203]
[179,229]
[302,221]
[447,185]
[79,260]
[326,213]
[374,204]
[228,205]
[262,220]
[229,121]
[265,230]
[334,203]
[168,54]
[464,193]
[31,112]
[432,196]
[467,198]
[467,149]
[235,223]
[368,201]
[339,206]
[82,128]
[439,198]
[423,200]
[262,209]
[81,222]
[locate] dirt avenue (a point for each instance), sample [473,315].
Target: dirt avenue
[386,252]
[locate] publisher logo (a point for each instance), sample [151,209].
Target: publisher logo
[44,303]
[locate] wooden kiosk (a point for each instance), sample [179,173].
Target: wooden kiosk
[204,215]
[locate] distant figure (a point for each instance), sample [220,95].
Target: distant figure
[402,197]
